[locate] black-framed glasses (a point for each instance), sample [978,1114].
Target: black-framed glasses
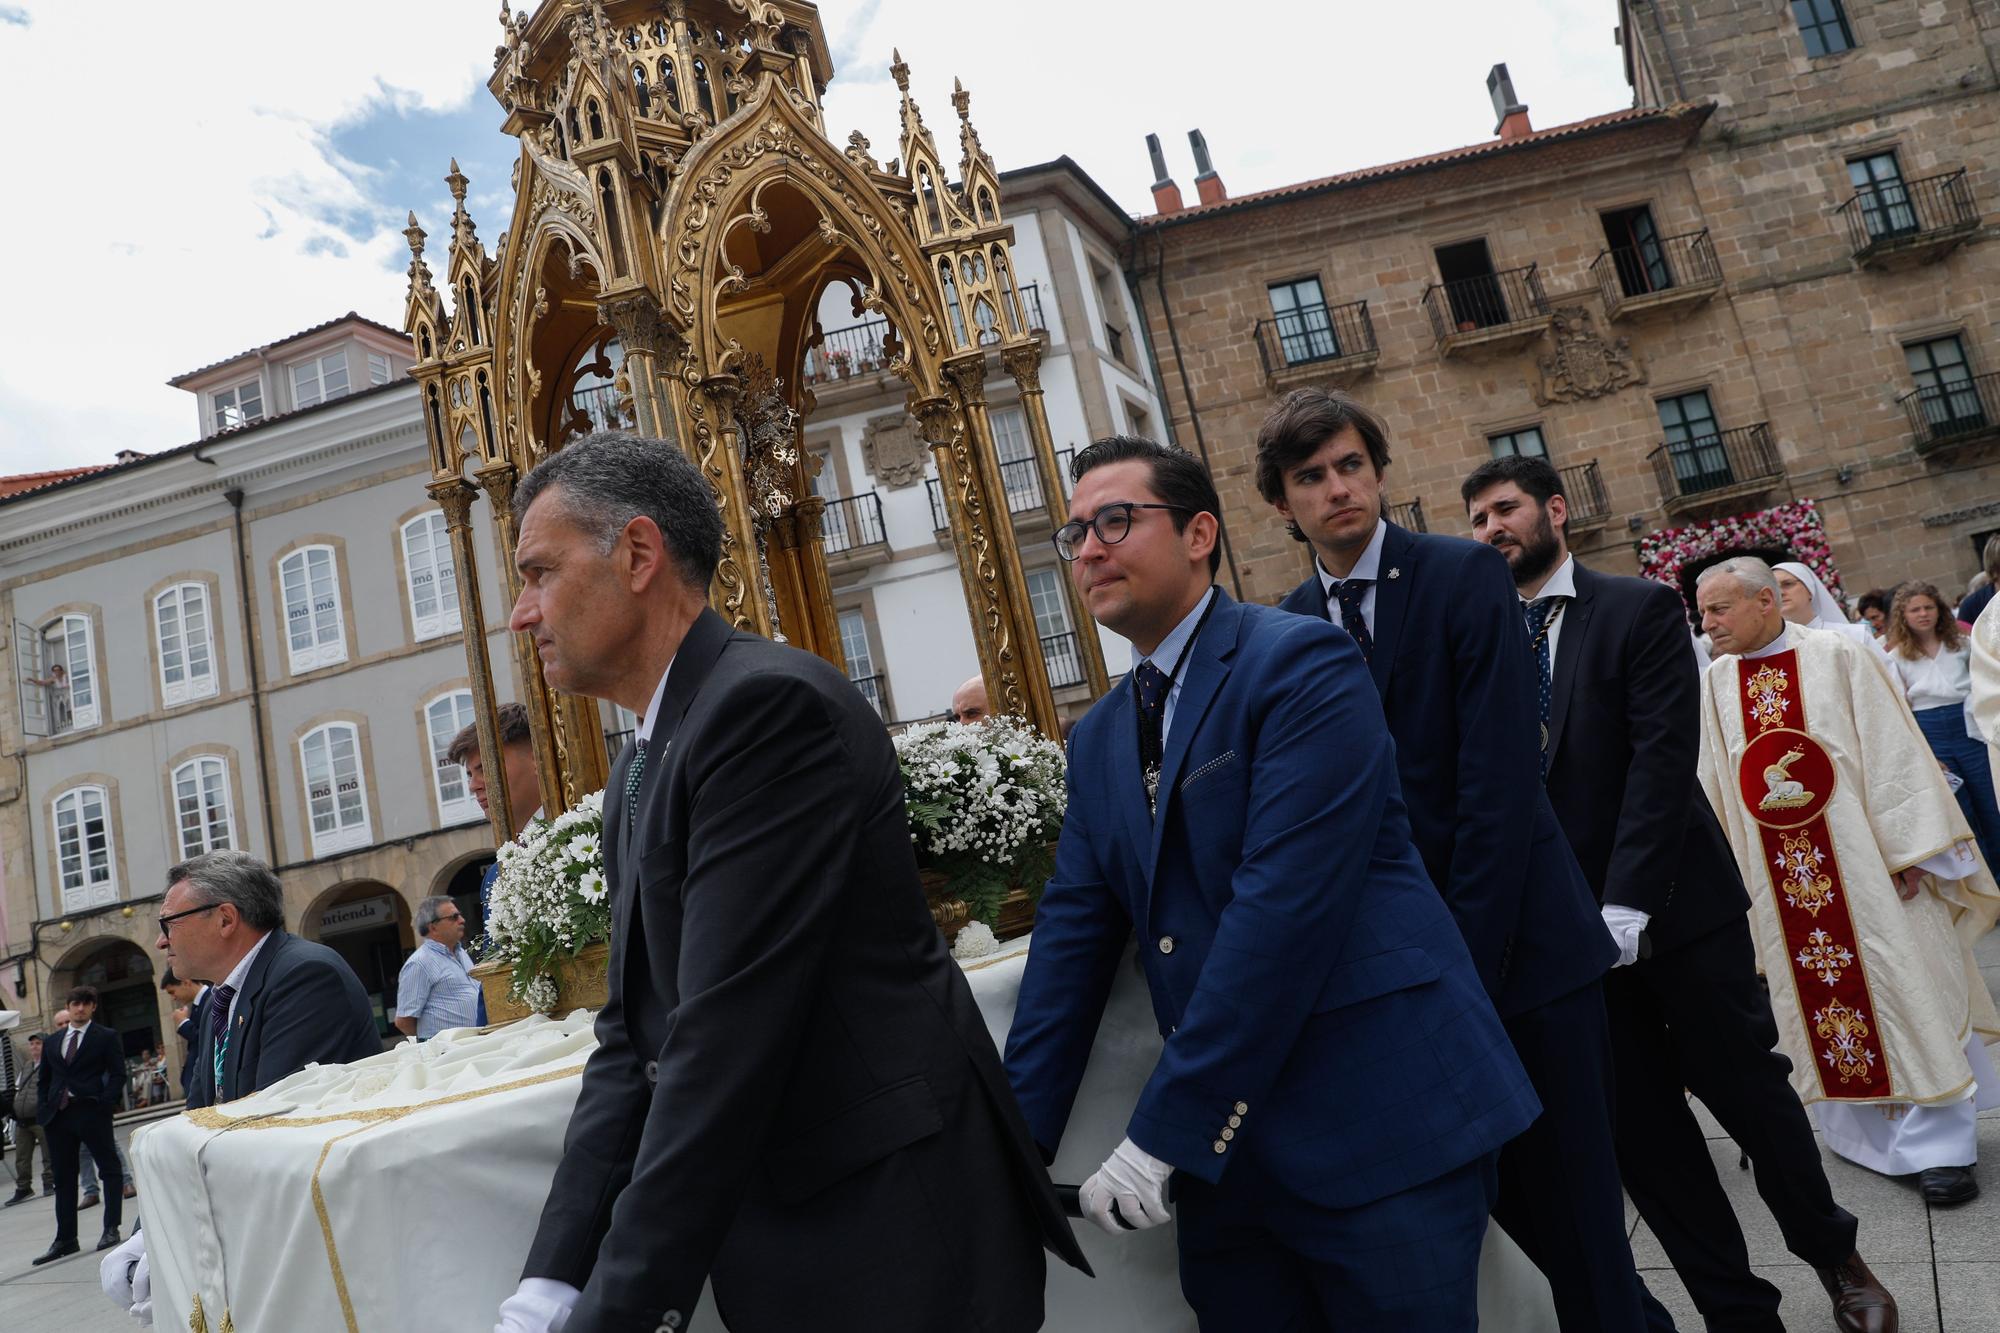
[1110,523]
[167,920]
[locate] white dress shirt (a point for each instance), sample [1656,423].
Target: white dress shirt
[238,975]
[1368,567]
[653,708]
[1940,681]
[1169,654]
[1562,583]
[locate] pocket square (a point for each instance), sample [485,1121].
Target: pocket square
[1224,759]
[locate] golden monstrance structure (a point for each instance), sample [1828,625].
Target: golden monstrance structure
[679,213]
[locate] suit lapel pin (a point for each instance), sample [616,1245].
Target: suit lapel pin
[1394,572]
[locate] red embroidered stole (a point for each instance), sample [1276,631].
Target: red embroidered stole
[1786,780]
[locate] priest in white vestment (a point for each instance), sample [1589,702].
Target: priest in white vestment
[1866,890]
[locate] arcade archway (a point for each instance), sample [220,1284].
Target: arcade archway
[368,924]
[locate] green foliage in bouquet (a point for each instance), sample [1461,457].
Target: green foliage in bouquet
[985,801]
[549,899]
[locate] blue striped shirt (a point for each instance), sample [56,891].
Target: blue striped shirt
[436,988]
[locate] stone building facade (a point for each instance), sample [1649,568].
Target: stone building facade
[1769,280]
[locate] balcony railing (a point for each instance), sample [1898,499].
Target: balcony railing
[1950,413]
[940,511]
[601,407]
[1065,663]
[1692,468]
[860,349]
[1936,211]
[1657,271]
[875,690]
[1064,459]
[1409,516]
[614,741]
[851,522]
[1489,303]
[1315,335]
[1583,491]
[1031,302]
[1021,478]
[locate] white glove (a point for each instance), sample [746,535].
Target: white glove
[142,1293]
[115,1272]
[539,1305]
[1133,1179]
[1625,925]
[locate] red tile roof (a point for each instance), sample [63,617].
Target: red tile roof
[183,378]
[1691,115]
[23,482]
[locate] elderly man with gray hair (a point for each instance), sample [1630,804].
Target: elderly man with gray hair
[1866,891]
[435,989]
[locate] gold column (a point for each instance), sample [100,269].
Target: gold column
[646,338]
[454,496]
[1024,363]
[707,408]
[989,563]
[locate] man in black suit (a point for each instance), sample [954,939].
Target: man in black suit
[1438,621]
[793,1095]
[187,996]
[77,1089]
[1623,717]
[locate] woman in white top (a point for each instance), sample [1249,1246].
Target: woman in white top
[1933,662]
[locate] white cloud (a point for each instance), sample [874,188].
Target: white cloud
[191,204]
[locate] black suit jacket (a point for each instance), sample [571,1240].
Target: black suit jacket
[190,1033]
[1625,734]
[1452,664]
[300,1004]
[93,1079]
[794,1094]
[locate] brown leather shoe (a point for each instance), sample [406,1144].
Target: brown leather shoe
[1860,1303]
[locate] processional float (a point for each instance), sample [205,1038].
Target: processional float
[678,215]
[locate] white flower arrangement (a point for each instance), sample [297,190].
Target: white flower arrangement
[975,940]
[985,800]
[549,899]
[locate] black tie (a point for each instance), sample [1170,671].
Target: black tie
[1150,685]
[1540,615]
[1349,592]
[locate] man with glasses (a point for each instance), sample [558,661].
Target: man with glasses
[435,989]
[1334,1086]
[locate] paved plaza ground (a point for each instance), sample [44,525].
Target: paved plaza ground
[1943,1264]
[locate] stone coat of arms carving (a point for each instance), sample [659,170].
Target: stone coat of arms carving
[1584,364]
[893,452]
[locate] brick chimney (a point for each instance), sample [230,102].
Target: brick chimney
[1166,194]
[1513,115]
[1207,185]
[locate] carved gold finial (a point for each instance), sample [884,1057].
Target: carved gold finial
[457,181]
[900,72]
[960,98]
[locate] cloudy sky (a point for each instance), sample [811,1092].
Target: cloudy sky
[192,180]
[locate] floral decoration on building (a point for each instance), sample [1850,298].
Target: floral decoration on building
[1796,526]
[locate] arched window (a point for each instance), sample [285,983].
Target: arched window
[575,127]
[608,199]
[187,643]
[201,806]
[314,631]
[596,119]
[427,561]
[444,717]
[84,860]
[336,791]
[929,190]
[670,85]
[984,320]
[951,302]
[424,339]
[471,308]
[641,91]
[987,211]
[704,98]
[1003,277]
[63,682]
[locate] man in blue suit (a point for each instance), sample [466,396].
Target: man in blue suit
[1335,1085]
[1441,628]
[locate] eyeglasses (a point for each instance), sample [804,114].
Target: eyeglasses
[1111,523]
[167,921]
[455,916]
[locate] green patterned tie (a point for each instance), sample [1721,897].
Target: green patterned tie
[637,772]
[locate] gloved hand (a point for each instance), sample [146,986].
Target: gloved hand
[142,1293]
[539,1305]
[1133,1179]
[115,1272]
[1625,924]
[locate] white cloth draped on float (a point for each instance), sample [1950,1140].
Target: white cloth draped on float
[1888,809]
[300,1208]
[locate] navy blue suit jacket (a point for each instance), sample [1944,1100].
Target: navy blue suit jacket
[1456,675]
[93,1080]
[301,1004]
[1304,973]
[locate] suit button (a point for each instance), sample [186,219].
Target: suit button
[1166,944]
[1242,1108]
[1236,1122]
[1220,1146]
[1228,1134]
[652,1071]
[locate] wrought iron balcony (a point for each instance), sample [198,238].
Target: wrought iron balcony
[1065,458]
[1583,491]
[1671,271]
[1712,469]
[614,741]
[1910,220]
[1021,478]
[851,523]
[1409,516]
[940,511]
[1492,310]
[1031,302]
[1317,342]
[1064,661]
[875,689]
[1955,413]
[861,349]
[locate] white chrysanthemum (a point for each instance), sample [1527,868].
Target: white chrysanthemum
[975,940]
[591,886]
[583,849]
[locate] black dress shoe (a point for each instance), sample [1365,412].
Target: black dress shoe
[1948,1184]
[110,1240]
[20,1196]
[59,1250]
[1860,1302]
[90,1200]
